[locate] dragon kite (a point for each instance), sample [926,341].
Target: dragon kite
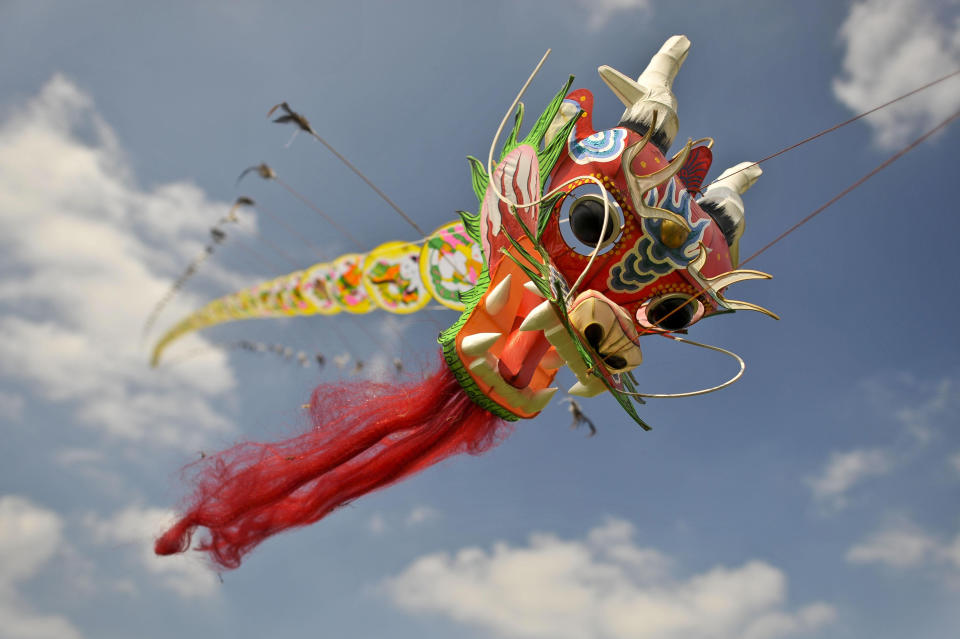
[585,241]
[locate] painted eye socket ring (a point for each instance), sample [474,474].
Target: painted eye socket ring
[670,312]
[581,220]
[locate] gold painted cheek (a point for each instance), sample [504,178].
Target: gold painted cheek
[672,234]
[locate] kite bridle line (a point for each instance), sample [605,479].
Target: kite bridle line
[843,124]
[893,158]
[273,217]
[304,125]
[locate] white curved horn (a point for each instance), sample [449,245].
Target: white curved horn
[652,92]
[725,192]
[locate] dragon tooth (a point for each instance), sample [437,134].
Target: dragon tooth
[530,286]
[540,318]
[497,298]
[580,390]
[591,387]
[481,366]
[540,399]
[479,343]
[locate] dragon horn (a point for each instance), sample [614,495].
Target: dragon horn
[652,93]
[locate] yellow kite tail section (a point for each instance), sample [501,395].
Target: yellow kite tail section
[398,277]
[298,293]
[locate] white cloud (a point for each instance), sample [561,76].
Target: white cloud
[93,465]
[929,407]
[84,255]
[900,545]
[602,11]
[955,461]
[79,456]
[377,525]
[29,537]
[137,528]
[11,407]
[845,470]
[892,47]
[951,552]
[601,587]
[421,515]
[921,407]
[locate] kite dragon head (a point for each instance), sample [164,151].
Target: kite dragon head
[592,239]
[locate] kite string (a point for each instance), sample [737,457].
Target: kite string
[276,249]
[319,211]
[373,186]
[273,217]
[893,158]
[843,124]
[822,208]
[257,255]
[340,228]
[309,203]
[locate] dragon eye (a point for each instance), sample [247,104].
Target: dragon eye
[672,312]
[581,220]
[586,221]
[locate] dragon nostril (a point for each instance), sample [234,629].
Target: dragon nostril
[594,335]
[615,362]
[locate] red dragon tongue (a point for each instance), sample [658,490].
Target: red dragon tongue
[524,349]
[510,363]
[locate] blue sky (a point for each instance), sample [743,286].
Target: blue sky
[815,498]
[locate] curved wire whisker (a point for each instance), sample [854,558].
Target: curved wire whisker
[702,391]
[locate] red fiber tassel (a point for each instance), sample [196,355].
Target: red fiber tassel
[365,435]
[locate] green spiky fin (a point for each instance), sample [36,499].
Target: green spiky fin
[547,155]
[471,223]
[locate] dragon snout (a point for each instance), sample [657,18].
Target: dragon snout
[608,329]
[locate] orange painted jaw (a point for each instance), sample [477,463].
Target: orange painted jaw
[514,341]
[512,365]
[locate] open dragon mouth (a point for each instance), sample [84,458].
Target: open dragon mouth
[515,340]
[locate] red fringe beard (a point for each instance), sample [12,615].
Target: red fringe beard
[365,436]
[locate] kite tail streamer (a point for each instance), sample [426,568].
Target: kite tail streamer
[364,437]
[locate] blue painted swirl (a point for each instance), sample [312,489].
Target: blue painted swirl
[602,146]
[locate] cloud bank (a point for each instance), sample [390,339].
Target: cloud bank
[29,538]
[603,586]
[84,254]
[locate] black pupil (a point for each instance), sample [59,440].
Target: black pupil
[669,315]
[586,221]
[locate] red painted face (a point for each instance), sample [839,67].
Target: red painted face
[625,250]
[640,258]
